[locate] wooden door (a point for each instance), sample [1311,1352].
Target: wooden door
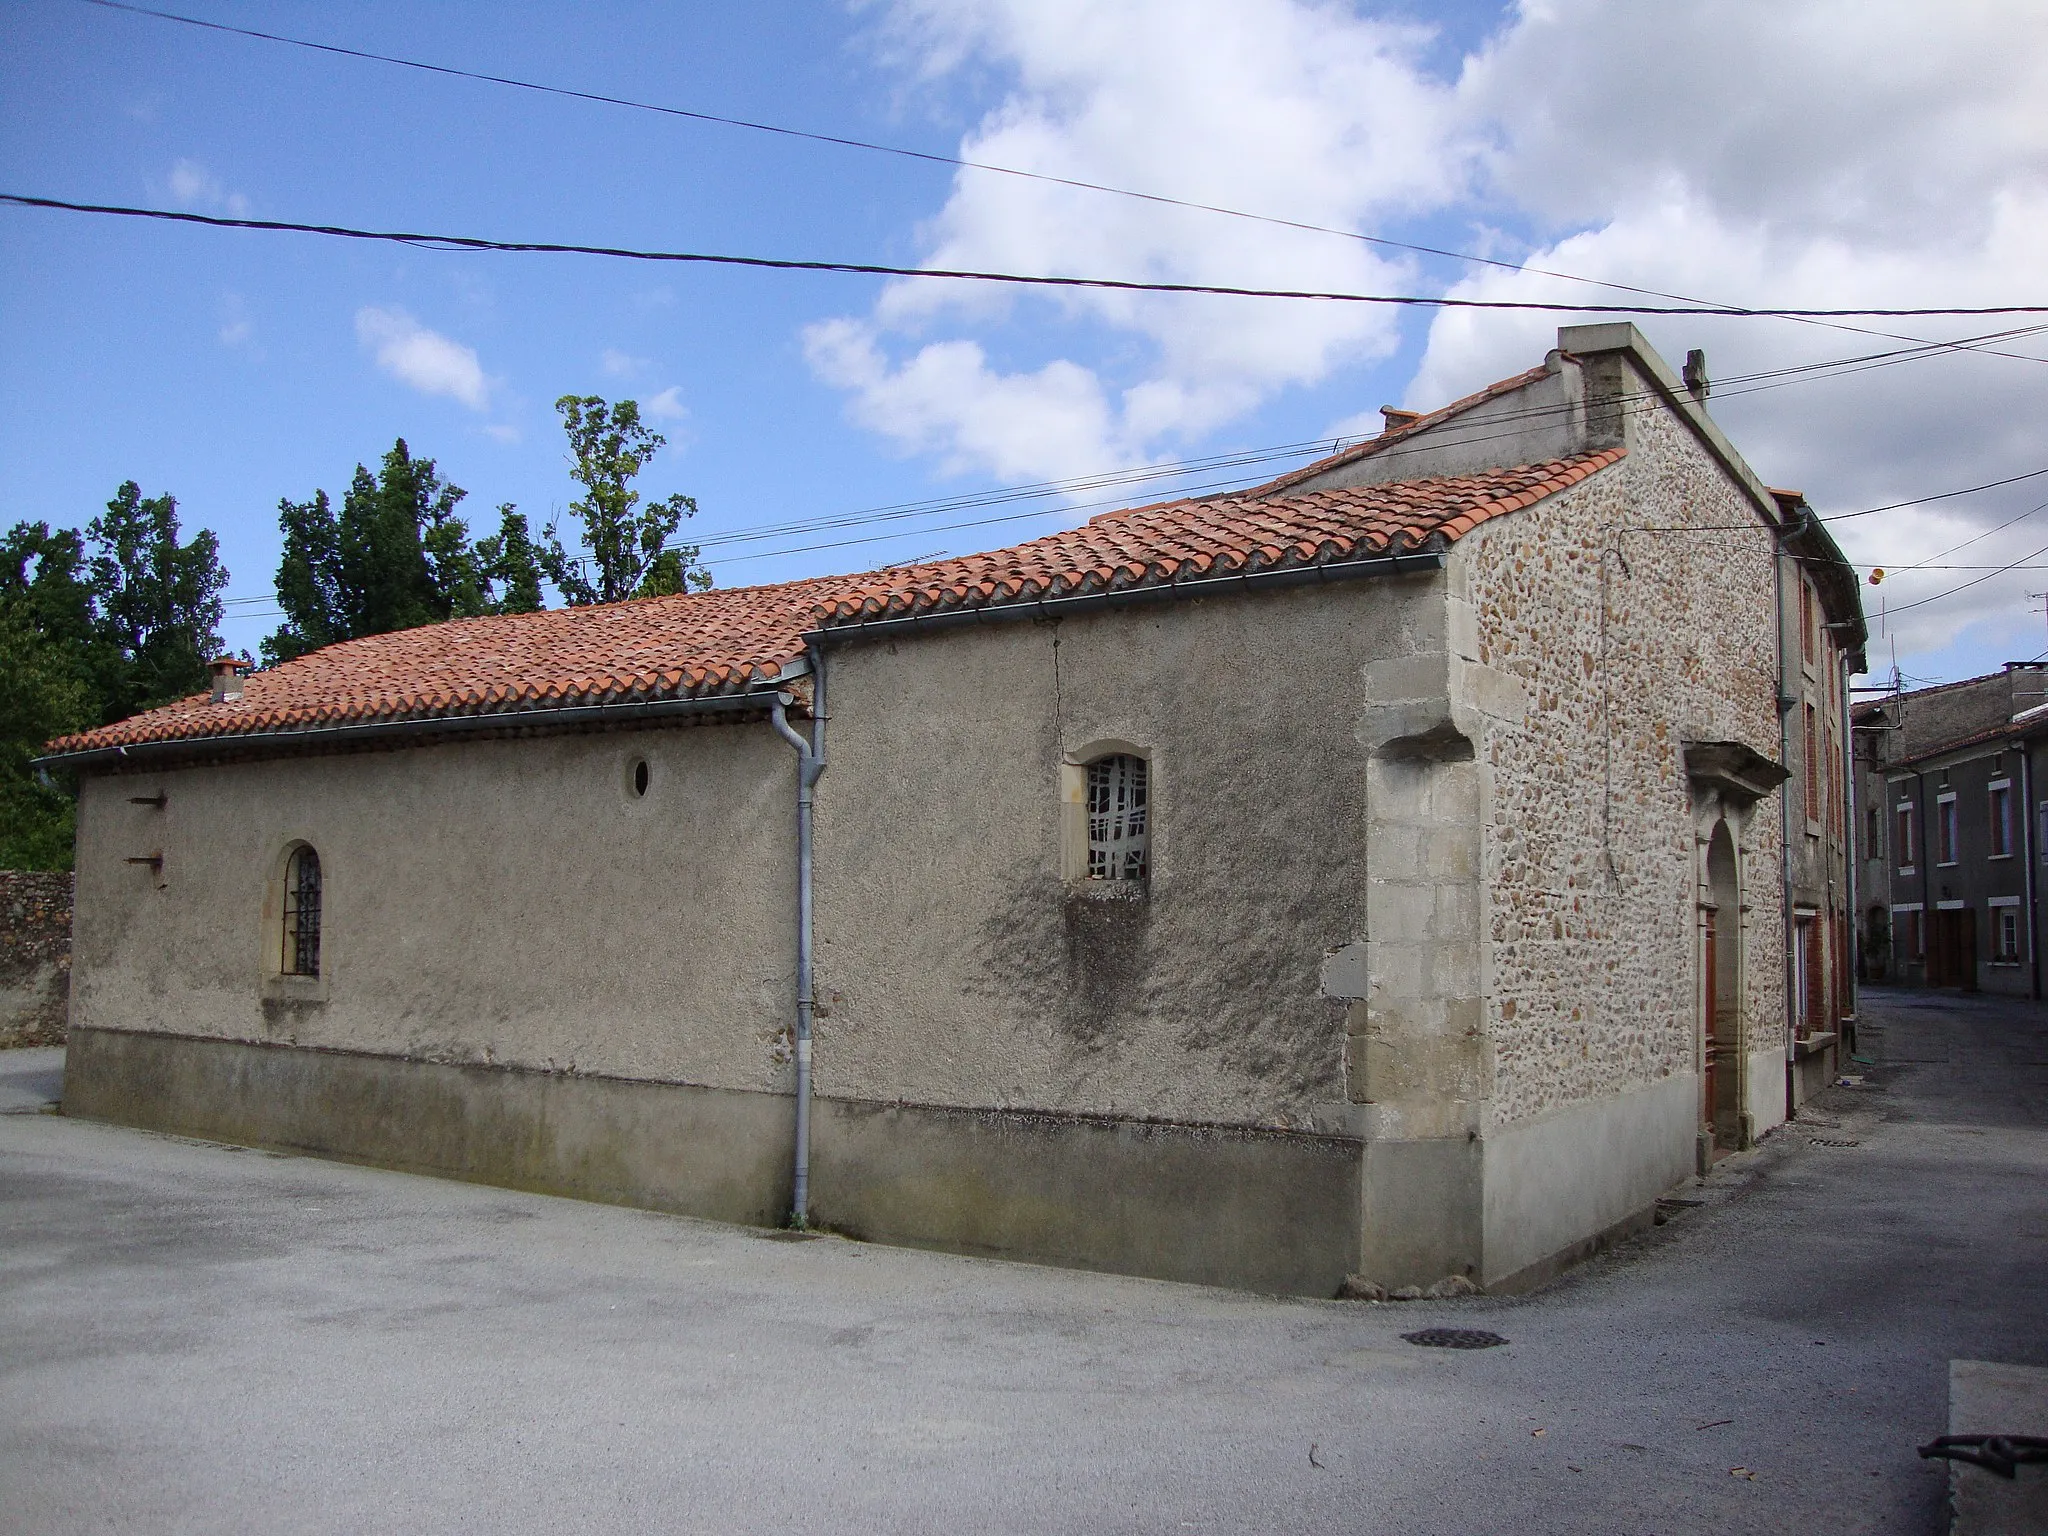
[1710,1050]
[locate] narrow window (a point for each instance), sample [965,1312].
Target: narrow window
[302,913]
[2041,842]
[2008,933]
[2001,821]
[1873,825]
[1905,838]
[1945,823]
[1812,764]
[1119,823]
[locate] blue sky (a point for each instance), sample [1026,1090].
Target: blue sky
[235,368]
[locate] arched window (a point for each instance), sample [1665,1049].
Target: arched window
[1119,820]
[301,949]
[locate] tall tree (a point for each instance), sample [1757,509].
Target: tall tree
[608,447]
[397,556]
[511,564]
[89,638]
[158,599]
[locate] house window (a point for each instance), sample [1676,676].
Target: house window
[1807,648]
[1812,763]
[2041,819]
[1119,821]
[2001,819]
[301,951]
[1873,829]
[1905,834]
[1945,830]
[2008,928]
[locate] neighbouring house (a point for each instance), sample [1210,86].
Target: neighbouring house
[1952,852]
[1382,871]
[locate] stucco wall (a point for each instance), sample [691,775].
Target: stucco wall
[505,902]
[956,968]
[1590,844]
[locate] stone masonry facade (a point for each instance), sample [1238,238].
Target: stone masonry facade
[1626,640]
[35,957]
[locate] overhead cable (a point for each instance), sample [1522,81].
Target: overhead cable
[427,241]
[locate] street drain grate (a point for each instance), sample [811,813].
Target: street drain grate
[1454,1338]
[1825,1141]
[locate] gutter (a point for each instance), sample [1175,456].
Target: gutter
[811,765]
[414,728]
[1090,602]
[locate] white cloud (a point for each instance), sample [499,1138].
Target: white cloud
[623,365]
[666,406]
[427,360]
[192,185]
[502,432]
[1810,153]
[1815,155]
[1294,108]
[237,328]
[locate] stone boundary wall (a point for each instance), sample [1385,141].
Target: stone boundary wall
[35,957]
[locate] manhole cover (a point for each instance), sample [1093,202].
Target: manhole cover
[1454,1338]
[1825,1141]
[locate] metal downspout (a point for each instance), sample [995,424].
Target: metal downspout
[2027,820]
[1851,850]
[1785,706]
[810,768]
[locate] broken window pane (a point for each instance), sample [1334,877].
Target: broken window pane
[1119,835]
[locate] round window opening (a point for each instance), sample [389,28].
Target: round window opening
[640,776]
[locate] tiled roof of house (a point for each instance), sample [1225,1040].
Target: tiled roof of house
[731,640]
[1374,446]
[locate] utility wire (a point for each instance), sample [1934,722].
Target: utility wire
[956,162]
[875,269]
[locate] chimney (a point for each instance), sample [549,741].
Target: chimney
[227,679]
[1695,374]
[1398,419]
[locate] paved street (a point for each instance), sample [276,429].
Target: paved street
[195,1338]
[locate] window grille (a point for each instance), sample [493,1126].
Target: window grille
[1119,822]
[302,914]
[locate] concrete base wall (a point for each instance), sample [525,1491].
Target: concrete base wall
[1767,1078]
[1258,1210]
[1559,1185]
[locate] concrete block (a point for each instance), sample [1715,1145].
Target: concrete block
[1423,1210]
[1407,678]
[1493,693]
[1988,1398]
[1344,972]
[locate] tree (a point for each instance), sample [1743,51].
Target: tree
[608,447]
[90,638]
[511,561]
[158,600]
[396,557]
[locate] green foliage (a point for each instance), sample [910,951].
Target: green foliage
[511,563]
[608,447]
[90,638]
[396,557]
[44,697]
[158,600]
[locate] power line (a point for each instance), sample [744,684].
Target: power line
[957,162]
[875,269]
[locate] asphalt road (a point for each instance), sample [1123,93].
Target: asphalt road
[196,1338]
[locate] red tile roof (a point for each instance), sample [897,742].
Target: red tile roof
[732,640]
[1387,439]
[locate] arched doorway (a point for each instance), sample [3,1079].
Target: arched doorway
[1721,989]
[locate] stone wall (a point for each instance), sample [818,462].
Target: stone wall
[1626,640]
[35,957]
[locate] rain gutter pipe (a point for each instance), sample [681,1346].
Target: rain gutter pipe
[379,731]
[1091,602]
[810,759]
